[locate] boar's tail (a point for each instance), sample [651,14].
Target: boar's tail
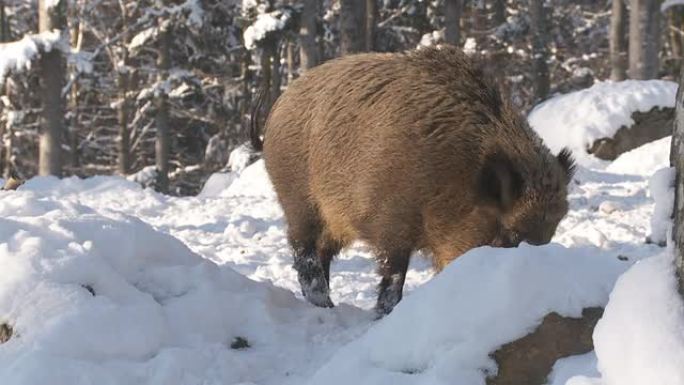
[254,130]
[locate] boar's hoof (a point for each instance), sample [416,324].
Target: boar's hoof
[317,296]
[312,281]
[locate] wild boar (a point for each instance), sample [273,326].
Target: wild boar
[406,151]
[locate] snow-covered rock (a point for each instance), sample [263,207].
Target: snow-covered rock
[445,331]
[579,118]
[644,160]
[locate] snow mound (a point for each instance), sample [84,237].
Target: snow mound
[579,118]
[446,329]
[640,339]
[97,296]
[643,160]
[662,191]
[251,181]
[217,183]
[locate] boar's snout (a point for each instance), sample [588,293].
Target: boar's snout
[506,240]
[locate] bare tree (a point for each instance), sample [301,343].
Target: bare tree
[499,11]
[52,73]
[123,113]
[540,69]
[371,21]
[618,41]
[274,53]
[352,26]
[163,144]
[291,71]
[677,160]
[644,39]
[4,25]
[452,21]
[309,54]
[675,29]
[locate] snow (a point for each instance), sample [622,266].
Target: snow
[49,4]
[643,160]
[145,176]
[19,55]
[177,281]
[241,157]
[142,38]
[667,4]
[157,305]
[470,46]
[579,118]
[574,367]
[263,25]
[447,329]
[662,190]
[640,339]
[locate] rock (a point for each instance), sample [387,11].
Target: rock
[648,127]
[530,359]
[5,333]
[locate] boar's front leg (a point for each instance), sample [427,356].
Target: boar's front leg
[313,279]
[392,268]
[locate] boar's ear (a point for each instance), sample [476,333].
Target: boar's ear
[567,161]
[499,181]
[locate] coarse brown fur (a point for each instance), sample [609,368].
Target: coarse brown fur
[413,151]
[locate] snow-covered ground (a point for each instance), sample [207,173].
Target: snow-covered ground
[104,282]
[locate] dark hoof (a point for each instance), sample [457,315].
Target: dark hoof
[381,311]
[317,292]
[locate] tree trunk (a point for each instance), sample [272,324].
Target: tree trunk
[676,30]
[539,50]
[123,164]
[4,24]
[352,26]
[291,72]
[266,73]
[275,72]
[452,21]
[4,147]
[371,20]
[309,54]
[52,71]
[499,12]
[76,44]
[618,41]
[644,39]
[163,144]
[246,75]
[677,160]
[479,16]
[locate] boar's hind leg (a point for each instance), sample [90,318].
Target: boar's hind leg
[303,234]
[327,248]
[392,268]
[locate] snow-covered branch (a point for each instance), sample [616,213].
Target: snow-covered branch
[19,55]
[667,4]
